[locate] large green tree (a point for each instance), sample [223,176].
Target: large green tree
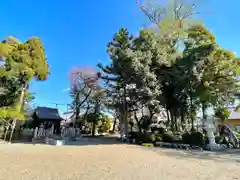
[119,73]
[149,68]
[21,62]
[212,71]
[137,68]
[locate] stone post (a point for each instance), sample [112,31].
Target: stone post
[52,129]
[35,133]
[210,128]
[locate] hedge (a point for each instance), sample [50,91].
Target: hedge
[194,138]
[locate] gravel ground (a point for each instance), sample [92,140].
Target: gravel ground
[108,162]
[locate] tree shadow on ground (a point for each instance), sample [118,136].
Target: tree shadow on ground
[81,141]
[98,140]
[198,154]
[224,156]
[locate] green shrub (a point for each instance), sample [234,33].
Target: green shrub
[237,134]
[154,129]
[147,144]
[105,125]
[169,137]
[197,138]
[177,133]
[193,138]
[142,137]
[162,130]
[219,139]
[147,138]
[158,138]
[134,135]
[186,137]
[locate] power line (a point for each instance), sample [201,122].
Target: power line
[59,104]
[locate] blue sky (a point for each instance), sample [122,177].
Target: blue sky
[76,32]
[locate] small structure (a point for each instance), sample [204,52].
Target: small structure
[46,121]
[234,121]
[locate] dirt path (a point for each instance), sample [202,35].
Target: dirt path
[107,162]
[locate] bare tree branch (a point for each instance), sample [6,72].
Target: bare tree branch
[159,13]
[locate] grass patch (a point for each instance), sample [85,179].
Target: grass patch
[147,144]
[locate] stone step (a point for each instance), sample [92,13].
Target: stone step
[38,141]
[55,142]
[173,145]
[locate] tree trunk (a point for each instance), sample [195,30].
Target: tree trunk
[77,108]
[84,119]
[95,120]
[80,103]
[182,118]
[191,112]
[6,132]
[168,117]
[114,124]
[12,129]
[204,117]
[139,127]
[121,124]
[93,128]
[172,120]
[175,120]
[125,113]
[150,118]
[138,123]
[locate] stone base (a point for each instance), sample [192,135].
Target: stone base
[124,139]
[173,145]
[213,147]
[37,141]
[55,142]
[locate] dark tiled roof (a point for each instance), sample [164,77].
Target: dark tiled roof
[47,113]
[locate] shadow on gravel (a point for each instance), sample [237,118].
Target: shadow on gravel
[229,156]
[98,140]
[83,141]
[198,154]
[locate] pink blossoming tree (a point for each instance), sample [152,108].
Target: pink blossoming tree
[83,81]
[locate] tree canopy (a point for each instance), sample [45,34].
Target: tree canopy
[179,67]
[181,81]
[21,62]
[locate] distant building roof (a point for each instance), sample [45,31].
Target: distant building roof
[234,115]
[47,113]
